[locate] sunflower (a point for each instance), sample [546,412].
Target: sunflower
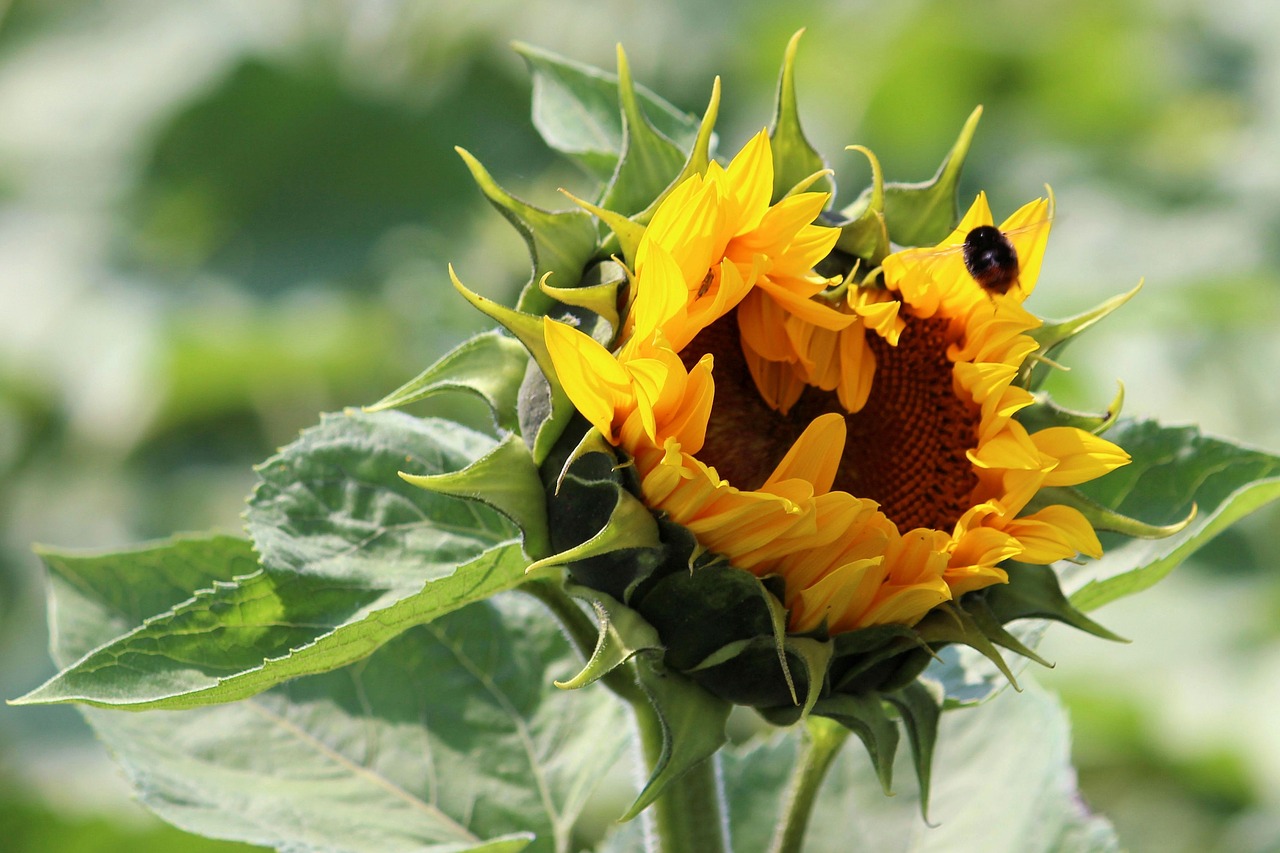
[856,440]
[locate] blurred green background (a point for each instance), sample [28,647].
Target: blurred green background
[219,219]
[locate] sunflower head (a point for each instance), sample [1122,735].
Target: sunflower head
[787,451]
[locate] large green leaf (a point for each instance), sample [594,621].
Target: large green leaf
[1173,469]
[1002,783]
[576,109]
[352,556]
[332,504]
[450,737]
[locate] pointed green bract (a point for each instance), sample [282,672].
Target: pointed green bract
[600,299]
[1173,470]
[623,634]
[866,236]
[922,214]
[630,526]
[490,365]
[1103,518]
[1033,592]
[794,159]
[506,480]
[576,109]
[560,242]
[920,706]
[699,158]
[1046,413]
[949,623]
[865,716]
[527,328]
[1052,336]
[649,161]
[692,723]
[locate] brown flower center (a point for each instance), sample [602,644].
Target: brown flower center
[906,447]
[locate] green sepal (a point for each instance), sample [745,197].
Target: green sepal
[527,329]
[864,715]
[990,625]
[868,658]
[505,479]
[560,242]
[626,231]
[922,214]
[699,611]
[794,159]
[816,657]
[490,365]
[699,153]
[575,109]
[630,526]
[623,634]
[692,723]
[600,299]
[1105,518]
[949,623]
[1034,592]
[1045,413]
[1052,336]
[919,704]
[866,235]
[649,161]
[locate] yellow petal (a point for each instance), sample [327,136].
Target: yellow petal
[596,383]
[1081,456]
[1054,533]
[815,455]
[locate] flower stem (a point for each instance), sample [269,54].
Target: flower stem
[821,747]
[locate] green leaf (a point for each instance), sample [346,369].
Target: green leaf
[576,109]
[922,214]
[490,365]
[352,556]
[450,738]
[332,504]
[1002,783]
[243,637]
[794,159]
[1174,470]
